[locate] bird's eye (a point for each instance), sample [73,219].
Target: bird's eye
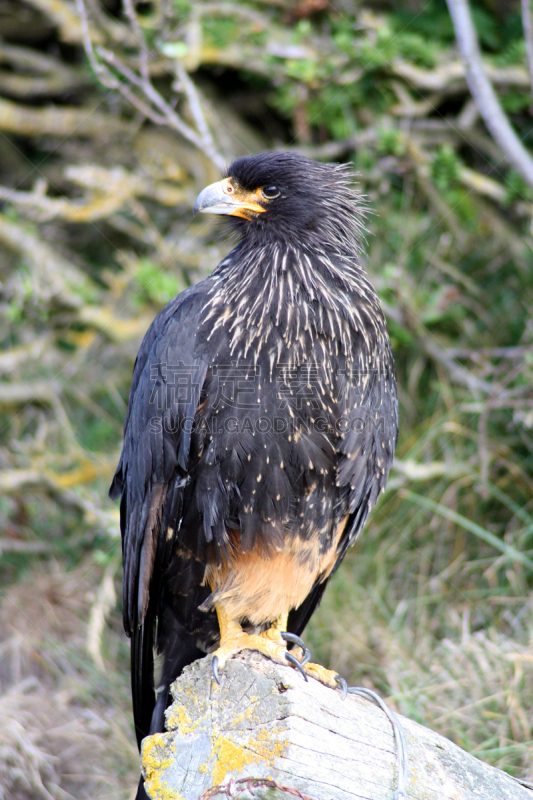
[270,192]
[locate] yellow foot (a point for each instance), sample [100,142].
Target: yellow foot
[269,643]
[233,640]
[272,643]
[325,676]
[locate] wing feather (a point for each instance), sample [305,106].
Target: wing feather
[368,443]
[157,442]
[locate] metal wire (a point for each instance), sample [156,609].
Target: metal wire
[399,735]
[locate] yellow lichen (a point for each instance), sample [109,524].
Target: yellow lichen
[156,757]
[158,790]
[152,753]
[180,719]
[227,755]
[230,756]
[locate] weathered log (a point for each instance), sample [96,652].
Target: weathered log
[265,723]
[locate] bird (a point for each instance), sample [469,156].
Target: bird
[260,431]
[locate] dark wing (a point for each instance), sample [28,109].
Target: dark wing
[369,440]
[368,416]
[152,479]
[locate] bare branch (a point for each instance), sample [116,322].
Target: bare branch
[109,191]
[527,23]
[112,82]
[62,14]
[450,76]
[54,278]
[12,359]
[483,93]
[105,320]
[63,121]
[143,49]
[195,106]
[105,77]
[14,481]
[18,394]
[35,74]
[141,93]
[103,604]
[431,347]
[21,546]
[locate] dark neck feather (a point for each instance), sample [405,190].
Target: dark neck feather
[272,295]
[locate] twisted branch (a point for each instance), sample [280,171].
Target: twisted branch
[139,90]
[489,107]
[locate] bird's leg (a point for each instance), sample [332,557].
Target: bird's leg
[271,643]
[278,632]
[276,629]
[233,640]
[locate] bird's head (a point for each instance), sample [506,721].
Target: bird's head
[286,196]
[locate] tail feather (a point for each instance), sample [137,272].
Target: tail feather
[154,667]
[142,677]
[141,791]
[155,664]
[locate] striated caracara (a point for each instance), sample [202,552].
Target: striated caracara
[260,430]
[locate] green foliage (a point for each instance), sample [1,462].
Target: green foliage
[487,28]
[445,167]
[97,434]
[517,189]
[182,8]
[417,49]
[464,206]
[379,52]
[513,54]
[432,22]
[390,142]
[220,31]
[157,285]
[513,102]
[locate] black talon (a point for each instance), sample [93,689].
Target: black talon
[294,661]
[294,639]
[214,667]
[342,685]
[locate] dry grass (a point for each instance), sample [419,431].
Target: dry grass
[66,730]
[467,672]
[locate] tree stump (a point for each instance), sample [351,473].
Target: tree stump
[264,722]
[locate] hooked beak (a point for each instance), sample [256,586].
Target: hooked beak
[222,198]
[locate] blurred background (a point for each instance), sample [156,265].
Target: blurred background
[113,116]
